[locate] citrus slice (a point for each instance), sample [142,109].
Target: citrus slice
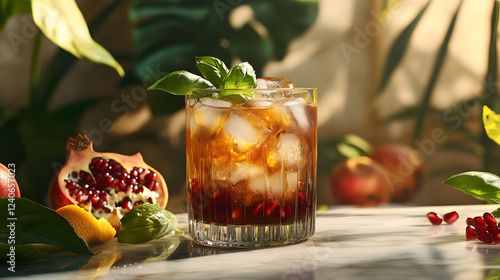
[86,226]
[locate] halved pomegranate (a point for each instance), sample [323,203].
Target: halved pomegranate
[108,185]
[8,183]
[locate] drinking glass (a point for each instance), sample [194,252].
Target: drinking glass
[251,166]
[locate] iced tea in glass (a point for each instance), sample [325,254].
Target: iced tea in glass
[251,166]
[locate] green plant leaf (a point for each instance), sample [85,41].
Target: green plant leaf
[491,122]
[63,23]
[180,83]
[213,69]
[241,76]
[398,49]
[9,8]
[146,222]
[481,185]
[490,89]
[425,103]
[35,223]
[22,253]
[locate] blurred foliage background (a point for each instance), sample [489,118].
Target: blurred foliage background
[386,70]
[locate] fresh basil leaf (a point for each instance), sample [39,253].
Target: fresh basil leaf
[180,83]
[481,185]
[33,223]
[146,222]
[63,23]
[213,69]
[21,253]
[240,76]
[491,122]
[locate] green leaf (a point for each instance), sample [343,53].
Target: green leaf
[425,103]
[34,223]
[481,185]
[491,122]
[213,69]
[22,253]
[9,8]
[490,89]
[398,49]
[146,222]
[63,23]
[241,76]
[180,83]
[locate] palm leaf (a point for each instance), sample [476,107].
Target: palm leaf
[398,49]
[424,105]
[490,89]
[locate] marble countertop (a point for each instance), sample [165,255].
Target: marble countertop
[350,243]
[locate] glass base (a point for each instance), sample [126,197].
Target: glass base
[236,236]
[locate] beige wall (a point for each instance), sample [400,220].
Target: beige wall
[346,83]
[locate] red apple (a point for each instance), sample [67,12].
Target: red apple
[360,181]
[8,183]
[404,167]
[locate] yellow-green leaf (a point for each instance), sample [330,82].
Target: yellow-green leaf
[491,123]
[63,23]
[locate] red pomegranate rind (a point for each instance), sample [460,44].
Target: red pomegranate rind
[434,218]
[450,218]
[8,183]
[91,179]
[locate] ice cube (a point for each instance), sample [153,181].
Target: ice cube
[274,82]
[297,108]
[244,130]
[271,186]
[215,103]
[292,179]
[258,103]
[207,115]
[287,151]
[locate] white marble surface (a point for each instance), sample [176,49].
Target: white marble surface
[349,243]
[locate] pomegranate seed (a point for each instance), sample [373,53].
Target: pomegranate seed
[450,218]
[138,203]
[94,199]
[469,221]
[104,196]
[495,236]
[127,205]
[470,232]
[489,219]
[485,237]
[434,218]
[139,190]
[300,186]
[493,229]
[478,222]
[98,204]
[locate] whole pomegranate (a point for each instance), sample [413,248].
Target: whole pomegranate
[360,181]
[404,167]
[107,185]
[8,183]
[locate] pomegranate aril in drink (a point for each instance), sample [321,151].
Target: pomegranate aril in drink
[450,218]
[434,218]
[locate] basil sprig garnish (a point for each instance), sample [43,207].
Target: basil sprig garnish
[215,75]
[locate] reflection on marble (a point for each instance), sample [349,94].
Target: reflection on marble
[350,243]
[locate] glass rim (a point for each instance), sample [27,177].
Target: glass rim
[252,89]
